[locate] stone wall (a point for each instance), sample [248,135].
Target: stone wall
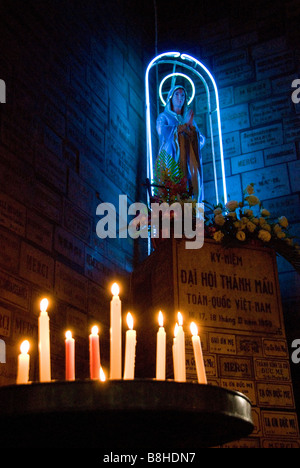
[72,136]
[253,53]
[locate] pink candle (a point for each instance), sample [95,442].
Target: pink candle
[70,356]
[94,353]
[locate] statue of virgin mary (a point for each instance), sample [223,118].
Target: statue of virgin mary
[180,137]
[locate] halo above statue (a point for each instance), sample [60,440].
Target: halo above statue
[174,82]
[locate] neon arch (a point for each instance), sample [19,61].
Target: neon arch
[196,68]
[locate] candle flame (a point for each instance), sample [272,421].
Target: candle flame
[160,319]
[180,320]
[130,321]
[68,335]
[176,330]
[194,329]
[24,347]
[95,330]
[115,289]
[44,304]
[102,375]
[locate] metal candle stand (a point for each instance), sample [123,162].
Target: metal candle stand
[136,414]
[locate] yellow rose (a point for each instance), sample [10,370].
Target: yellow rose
[237,224]
[265,212]
[252,200]
[255,221]
[265,236]
[232,205]
[266,227]
[251,226]
[219,220]
[218,211]
[218,236]
[283,221]
[277,228]
[249,189]
[261,221]
[280,234]
[240,235]
[248,212]
[244,220]
[232,214]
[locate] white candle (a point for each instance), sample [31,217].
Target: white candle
[161,350]
[174,352]
[201,374]
[180,351]
[94,348]
[23,364]
[115,334]
[44,342]
[130,345]
[70,356]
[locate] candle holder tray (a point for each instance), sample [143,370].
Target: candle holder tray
[139,413]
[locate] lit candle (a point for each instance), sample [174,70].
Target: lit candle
[130,345]
[201,374]
[115,334]
[180,351]
[161,350]
[175,352]
[44,342]
[94,353]
[23,363]
[70,356]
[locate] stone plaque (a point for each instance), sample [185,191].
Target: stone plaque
[235,75]
[231,144]
[247,162]
[48,202]
[80,193]
[120,166]
[261,138]
[294,171]
[255,90]
[279,423]
[36,266]
[235,118]
[275,65]
[77,222]
[266,111]
[51,168]
[5,322]
[289,206]
[270,182]
[69,246]
[14,290]
[280,154]
[70,286]
[12,214]
[273,395]
[39,230]
[230,59]
[122,129]
[9,251]
[241,294]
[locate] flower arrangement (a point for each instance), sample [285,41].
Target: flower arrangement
[233,224]
[247,222]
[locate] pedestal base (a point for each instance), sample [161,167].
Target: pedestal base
[133,414]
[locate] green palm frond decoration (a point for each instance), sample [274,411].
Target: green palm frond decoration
[166,169]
